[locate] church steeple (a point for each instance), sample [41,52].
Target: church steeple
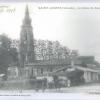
[26,40]
[27,20]
[27,11]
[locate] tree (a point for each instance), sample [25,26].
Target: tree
[42,48]
[14,56]
[56,46]
[8,54]
[65,52]
[50,49]
[76,77]
[59,51]
[84,64]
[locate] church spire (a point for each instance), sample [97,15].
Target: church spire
[27,20]
[27,11]
[27,54]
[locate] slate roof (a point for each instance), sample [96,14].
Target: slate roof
[53,62]
[50,62]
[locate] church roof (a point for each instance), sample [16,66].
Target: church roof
[67,61]
[51,62]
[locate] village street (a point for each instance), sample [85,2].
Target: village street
[88,88]
[93,88]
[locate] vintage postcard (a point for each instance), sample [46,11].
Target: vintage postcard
[49,47]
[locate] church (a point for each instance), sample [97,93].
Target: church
[30,67]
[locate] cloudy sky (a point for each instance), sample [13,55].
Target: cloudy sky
[76,26]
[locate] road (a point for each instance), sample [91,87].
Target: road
[88,88]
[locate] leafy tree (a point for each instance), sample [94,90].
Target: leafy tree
[8,54]
[76,77]
[84,64]
[50,49]
[42,48]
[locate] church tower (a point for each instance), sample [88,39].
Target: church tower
[26,46]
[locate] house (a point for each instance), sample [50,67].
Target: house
[49,68]
[90,75]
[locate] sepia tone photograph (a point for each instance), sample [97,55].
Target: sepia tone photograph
[49,47]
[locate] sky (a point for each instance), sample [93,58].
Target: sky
[76,26]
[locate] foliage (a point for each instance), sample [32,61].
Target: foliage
[76,77]
[48,50]
[84,64]
[8,54]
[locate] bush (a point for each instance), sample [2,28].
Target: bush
[76,77]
